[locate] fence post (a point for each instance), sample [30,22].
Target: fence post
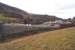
[2,35]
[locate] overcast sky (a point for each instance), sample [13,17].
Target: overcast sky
[60,8]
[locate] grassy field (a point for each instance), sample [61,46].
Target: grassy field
[63,39]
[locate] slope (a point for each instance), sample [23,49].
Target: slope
[63,39]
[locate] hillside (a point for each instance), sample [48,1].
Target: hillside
[63,39]
[23,16]
[12,11]
[38,18]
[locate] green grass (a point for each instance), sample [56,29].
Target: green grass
[63,39]
[7,19]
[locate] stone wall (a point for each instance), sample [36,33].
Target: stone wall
[16,28]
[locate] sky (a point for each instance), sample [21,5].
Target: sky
[59,8]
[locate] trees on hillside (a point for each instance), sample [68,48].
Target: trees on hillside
[72,20]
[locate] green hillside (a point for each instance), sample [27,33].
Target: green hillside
[63,39]
[7,19]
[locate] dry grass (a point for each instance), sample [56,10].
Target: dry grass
[63,39]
